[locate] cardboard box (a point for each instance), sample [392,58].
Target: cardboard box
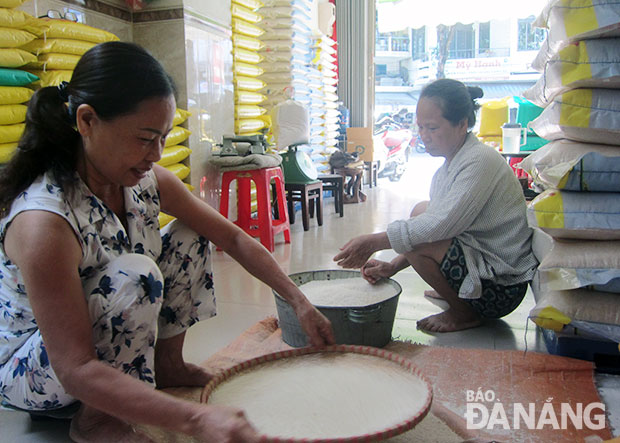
[360,140]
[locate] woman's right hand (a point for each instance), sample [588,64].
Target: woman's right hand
[374,270]
[224,424]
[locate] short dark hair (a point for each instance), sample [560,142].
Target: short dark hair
[456,100]
[114,78]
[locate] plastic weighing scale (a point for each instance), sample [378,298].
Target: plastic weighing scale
[298,167]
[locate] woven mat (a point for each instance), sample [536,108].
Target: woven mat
[514,377]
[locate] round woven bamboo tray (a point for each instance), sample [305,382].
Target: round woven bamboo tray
[380,434]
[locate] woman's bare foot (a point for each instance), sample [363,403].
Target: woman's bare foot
[450,321]
[93,426]
[186,374]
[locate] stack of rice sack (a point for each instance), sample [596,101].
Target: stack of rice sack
[578,287]
[287,54]
[249,115]
[15,30]
[325,61]
[318,117]
[59,47]
[175,155]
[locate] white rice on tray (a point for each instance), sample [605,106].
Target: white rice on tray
[324,396]
[349,292]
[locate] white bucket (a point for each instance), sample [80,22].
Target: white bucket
[513,137]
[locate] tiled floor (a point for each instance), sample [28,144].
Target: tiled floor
[242,300]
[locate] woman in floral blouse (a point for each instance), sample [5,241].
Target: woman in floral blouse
[94,300]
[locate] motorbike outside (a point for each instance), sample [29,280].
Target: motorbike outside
[396,142]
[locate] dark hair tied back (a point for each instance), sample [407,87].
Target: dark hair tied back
[475,92]
[457,101]
[113,78]
[62,91]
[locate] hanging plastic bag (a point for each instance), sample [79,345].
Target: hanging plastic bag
[290,123]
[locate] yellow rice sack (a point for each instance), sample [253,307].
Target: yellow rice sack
[242,27]
[245,42]
[248,83]
[10,3]
[51,78]
[249,97]
[14,38]
[249,125]
[177,136]
[54,61]
[11,133]
[58,45]
[250,4]
[164,219]
[245,13]
[11,114]
[247,69]
[15,58]
[13,18]
[14,95]
[174,154]
[54,28]
[6,151]
[180,115]
[179,169]
[245,56]
[248,111]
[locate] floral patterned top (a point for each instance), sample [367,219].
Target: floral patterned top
[100,232]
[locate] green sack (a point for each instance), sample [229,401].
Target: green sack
[16,77]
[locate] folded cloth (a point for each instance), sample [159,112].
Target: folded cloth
[247,162]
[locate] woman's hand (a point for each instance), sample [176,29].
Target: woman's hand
[223,424]
[374,270]
[356,252]
[316,326]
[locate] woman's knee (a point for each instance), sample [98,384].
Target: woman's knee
[129,283]
[434,251]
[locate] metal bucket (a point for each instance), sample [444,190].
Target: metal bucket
[367,325]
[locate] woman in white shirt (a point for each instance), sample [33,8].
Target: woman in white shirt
[470,242]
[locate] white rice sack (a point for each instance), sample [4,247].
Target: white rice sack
[292,55]
[306,5]
[285,23]
[582,263]
[585,115]
[586,64]
[574,20]
[576,215]
[283,77]
[290,123]
[286,34]
[593,311]
[575,166]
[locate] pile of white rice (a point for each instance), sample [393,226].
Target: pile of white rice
[347,292]
[327,396]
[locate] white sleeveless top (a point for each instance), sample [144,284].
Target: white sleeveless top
[101,234]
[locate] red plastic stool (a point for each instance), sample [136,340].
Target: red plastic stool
[264,226]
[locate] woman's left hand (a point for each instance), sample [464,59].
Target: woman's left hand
[356,252]
[316,326]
